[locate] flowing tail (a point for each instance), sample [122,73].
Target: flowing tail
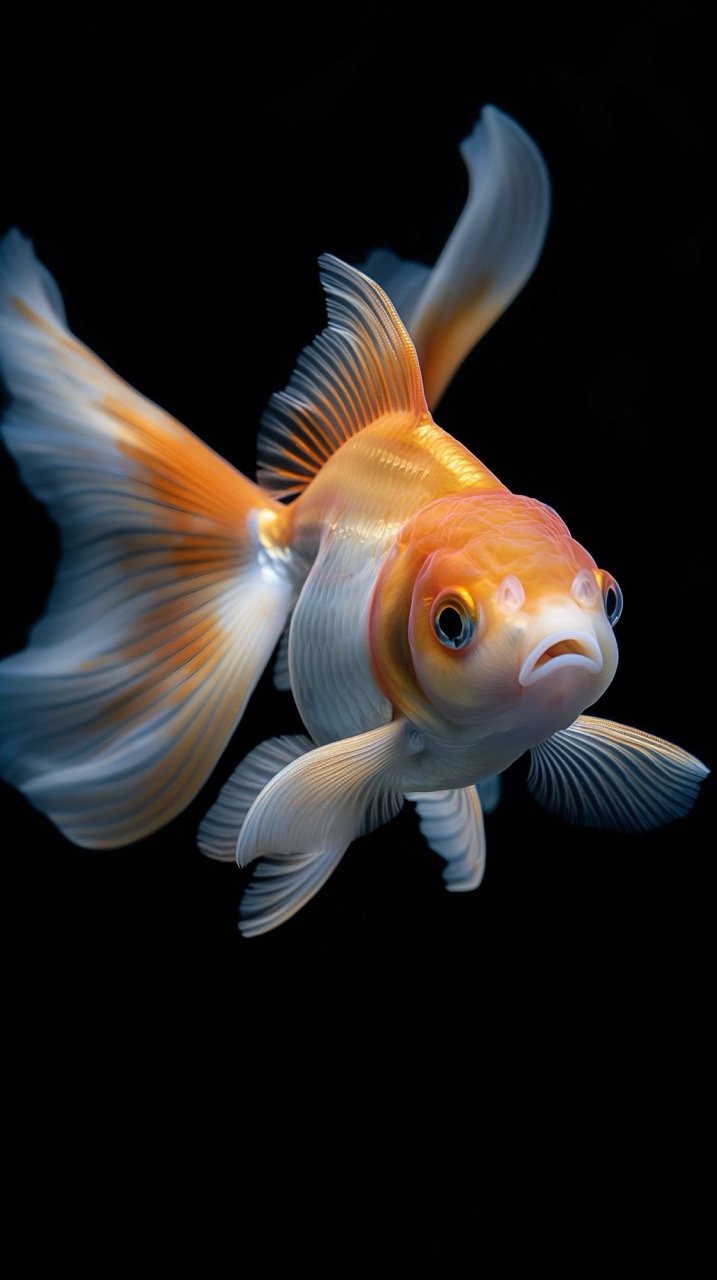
[488,257]
[173,587]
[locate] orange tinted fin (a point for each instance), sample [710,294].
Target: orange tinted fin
[360,369]
[489,256]
[172,590]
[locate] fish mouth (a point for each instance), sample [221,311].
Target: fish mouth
[558,650]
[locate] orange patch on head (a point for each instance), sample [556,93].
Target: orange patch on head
[496,534]
[465,542]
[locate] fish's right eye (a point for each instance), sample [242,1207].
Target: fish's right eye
[453,623]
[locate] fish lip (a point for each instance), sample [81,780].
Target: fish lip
[587,655]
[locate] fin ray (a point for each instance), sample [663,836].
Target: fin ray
[360,369]
[281,886]
[598,773]
[167,601]
[219,830]
[328,797]
[452,823]
[402,280]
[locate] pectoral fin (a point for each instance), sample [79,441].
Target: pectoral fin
[600,774]
[328,797]
[280,885]
[452,822]
[219,829]
[305,817]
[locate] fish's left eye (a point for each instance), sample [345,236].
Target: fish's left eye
[452,622]
[612,599]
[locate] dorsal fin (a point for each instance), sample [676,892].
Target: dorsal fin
[360,369]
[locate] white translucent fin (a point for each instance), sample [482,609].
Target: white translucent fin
[282,677]
[487,259]
[219,830]
[601,774]
[168,599]
[362,367]
[489,790]
[452,822]
[281,886]
[324,800]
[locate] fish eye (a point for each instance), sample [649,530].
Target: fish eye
[453,622]
[612,599]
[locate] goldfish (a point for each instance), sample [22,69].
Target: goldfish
[432,625]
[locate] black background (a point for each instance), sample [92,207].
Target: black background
[400,1080]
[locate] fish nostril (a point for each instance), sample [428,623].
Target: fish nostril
[584,588]
[510,595]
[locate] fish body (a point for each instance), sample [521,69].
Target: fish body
[348,522]
[431,624]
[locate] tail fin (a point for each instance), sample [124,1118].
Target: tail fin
[168,599]
[491,252]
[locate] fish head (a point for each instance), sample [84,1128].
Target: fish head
[488,613]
